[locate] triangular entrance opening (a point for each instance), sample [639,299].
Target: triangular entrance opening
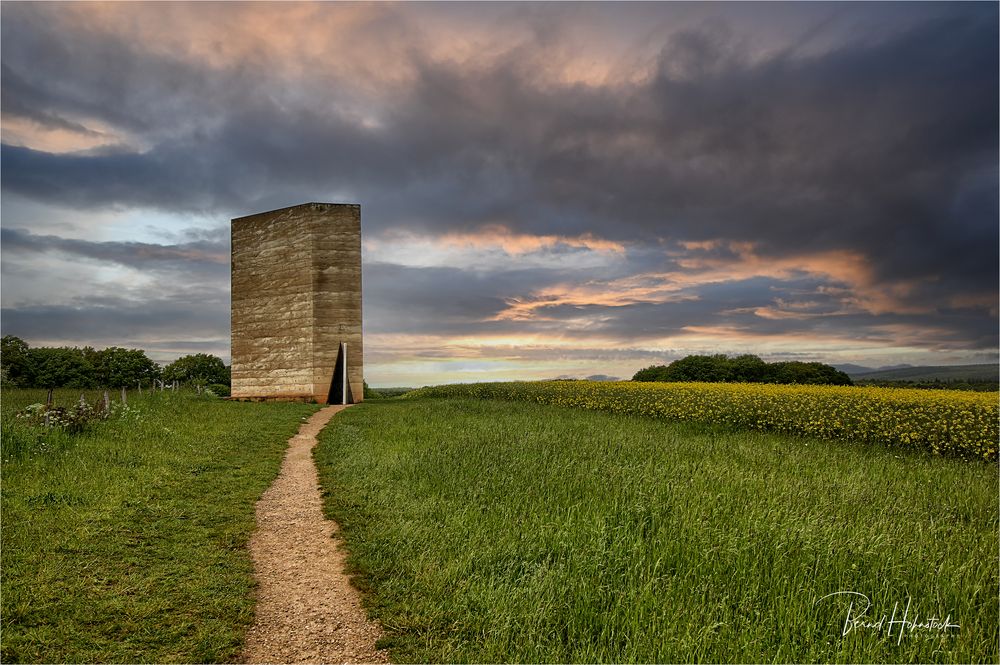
[340,387]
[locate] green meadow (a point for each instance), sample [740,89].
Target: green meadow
[127,542]
[492,531]
[489,531]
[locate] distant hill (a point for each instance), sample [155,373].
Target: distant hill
[602,377]
[852,370]
[592,377]
[985,372]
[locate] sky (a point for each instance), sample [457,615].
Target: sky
[547,189]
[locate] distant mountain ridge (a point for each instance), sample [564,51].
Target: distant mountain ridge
[982,372]
[592,377]
[852,369]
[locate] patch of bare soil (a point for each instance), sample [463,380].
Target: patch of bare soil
[307,609]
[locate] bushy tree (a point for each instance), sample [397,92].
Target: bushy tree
[745,369]
[62,367]
[712,369]
[748,368]
[117,367]
[15,361]
[806,373]
[198,368]
[651,373]
[72,367]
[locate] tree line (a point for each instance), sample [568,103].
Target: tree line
[24,366]
[720,368]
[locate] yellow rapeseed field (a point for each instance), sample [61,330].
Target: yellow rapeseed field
[946,422]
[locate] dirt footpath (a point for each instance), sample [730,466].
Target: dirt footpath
[307,610]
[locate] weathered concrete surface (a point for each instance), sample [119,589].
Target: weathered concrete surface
[296,295]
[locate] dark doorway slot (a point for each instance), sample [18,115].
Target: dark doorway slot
[339,385]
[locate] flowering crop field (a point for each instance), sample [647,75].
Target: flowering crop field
[946,422]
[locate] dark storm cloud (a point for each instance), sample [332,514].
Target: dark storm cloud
[169,323]
[200,256]
[795,152]
[447,300]
[886,148]
[52,70]
[19,99]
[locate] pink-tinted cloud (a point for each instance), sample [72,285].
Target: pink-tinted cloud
[849,269]
[58,137]
[515,244]
[847,273]
[498,237]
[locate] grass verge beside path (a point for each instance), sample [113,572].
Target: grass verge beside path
[127,543]
[514,532]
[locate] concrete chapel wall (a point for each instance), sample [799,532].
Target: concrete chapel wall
[296,295]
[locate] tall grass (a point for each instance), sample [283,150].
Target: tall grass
[514,532]
[127,542]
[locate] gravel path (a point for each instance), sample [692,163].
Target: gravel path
[307,610]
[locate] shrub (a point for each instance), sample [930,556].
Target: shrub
[73,419]
[218,389]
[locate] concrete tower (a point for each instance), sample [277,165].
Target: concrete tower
[296,304]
